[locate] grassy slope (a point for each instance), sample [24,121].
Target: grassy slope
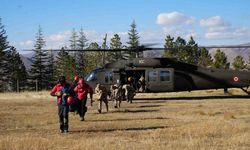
[29,121]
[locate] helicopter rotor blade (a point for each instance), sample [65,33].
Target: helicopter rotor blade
[139,48]
[227,46]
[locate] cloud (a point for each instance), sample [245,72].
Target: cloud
[177,24]
[182,32]
[27,43]
[215,21]
[218,28]
[174,18]
[227,33]
[58,37]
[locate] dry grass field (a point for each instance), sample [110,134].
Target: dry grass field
[184,120]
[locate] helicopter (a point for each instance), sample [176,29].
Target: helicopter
[165,74]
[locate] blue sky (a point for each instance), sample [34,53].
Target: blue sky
[210,22]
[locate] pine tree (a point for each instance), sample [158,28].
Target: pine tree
[73,39]
[192,51]
[104,56]
[239,63]
[205,58]
[81,56]
[82,40]
[18,74]
[169,43]
[65,65]
[220,60]
[73,42]
[94,58]
[39,69]
[4,68]
[133,42]
[181,53]
[51,67]
[115,44]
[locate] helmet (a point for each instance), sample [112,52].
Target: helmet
[70,100]
[81,81]
[76,78]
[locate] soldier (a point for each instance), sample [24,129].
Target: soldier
[81,99]
[129,92]
[141,84]
[116,94]
[102,94]
[64,94]
[131,82]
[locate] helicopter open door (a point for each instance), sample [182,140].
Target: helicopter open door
[160,79]
[106,78]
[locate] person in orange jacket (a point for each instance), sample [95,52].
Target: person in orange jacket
[81,91]
[64,95]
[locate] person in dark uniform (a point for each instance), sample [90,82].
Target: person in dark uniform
[141,85]
[64,94]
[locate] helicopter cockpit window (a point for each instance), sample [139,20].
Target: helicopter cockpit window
[91,76]
[164,76]
[152,76]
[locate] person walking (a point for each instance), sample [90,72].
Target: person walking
[102,94]
[81,91]
[64,95]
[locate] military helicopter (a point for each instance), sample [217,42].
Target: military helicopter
[167,75]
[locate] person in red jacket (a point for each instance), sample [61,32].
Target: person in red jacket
[64,94]
[75,82]
[81,91]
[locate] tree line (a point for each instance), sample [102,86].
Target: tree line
[189,52]
[47,66]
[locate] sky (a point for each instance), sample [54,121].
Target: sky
[211,22]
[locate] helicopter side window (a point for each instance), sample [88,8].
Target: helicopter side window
[108,77]
[111,76]
[164,75]
[152,76]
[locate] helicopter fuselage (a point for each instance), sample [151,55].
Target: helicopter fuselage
[167,75]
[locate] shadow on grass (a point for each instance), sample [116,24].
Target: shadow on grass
[130,119]
[125,129]
[149,106]
[127,111]
[134,111]
[194,98]
[148,102]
